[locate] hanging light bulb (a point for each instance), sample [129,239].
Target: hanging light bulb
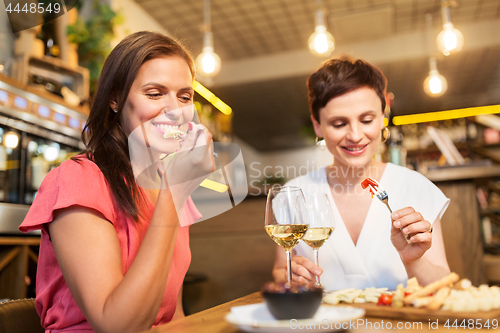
[208,63]
[321,42]
[449,40]
[435,84]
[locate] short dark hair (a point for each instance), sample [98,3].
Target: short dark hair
[339,76]
[106,142]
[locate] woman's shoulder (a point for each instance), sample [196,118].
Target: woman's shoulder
[78,173]
[79,163]
[75,182]
[79,167]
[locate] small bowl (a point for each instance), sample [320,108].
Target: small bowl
[296,302]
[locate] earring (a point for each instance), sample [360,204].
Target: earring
[386,134]
[321,144]
[115,110]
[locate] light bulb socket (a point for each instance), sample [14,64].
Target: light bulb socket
[432,65]
[448,26]
[446,14]
[208,40]
[320,29]
[320,17]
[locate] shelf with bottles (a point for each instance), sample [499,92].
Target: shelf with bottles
[418,151]
[488,197]
[415,138]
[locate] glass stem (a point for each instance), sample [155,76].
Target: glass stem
[317,264]
[289,268]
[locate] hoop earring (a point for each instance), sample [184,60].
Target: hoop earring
[320,143]
[386,134]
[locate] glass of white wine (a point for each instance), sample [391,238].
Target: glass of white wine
[321,223]
[287,220]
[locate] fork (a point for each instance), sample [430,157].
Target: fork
[382,195]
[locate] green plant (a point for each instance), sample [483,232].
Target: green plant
[93,38]
[273,180]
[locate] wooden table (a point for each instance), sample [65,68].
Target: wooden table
[212,321]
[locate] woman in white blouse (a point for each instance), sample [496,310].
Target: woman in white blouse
[368,247]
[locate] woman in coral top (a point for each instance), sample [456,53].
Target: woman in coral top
[113,253]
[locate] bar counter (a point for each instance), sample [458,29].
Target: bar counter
[212,321]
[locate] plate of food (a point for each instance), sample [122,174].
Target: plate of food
[449,298]
[257,318]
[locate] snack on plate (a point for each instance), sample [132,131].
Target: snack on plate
[431,288]
[173,133]
[412,285]
[399,295]
[438,299]
[351,295]
[447,293]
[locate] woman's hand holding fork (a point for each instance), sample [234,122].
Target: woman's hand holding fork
[407,221]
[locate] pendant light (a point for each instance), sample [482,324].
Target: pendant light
[435,84]
[208,63]
[450,39]
[321,42]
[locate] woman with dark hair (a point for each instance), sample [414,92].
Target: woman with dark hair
[347,102]
[113,255]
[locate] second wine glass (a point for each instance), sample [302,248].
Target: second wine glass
[286,220]
[321,223]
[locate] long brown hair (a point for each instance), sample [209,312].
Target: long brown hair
[339,76]
[105,140]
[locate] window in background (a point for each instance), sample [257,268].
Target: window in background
[42,155]
[9,164]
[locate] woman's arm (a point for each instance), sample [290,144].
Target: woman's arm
[88,252]
[433,264]
[423,258]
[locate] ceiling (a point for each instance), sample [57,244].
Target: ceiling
[265,63]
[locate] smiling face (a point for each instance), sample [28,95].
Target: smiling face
[160,100]
[351,125]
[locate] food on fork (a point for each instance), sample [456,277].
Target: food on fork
[367,182]
[173,133]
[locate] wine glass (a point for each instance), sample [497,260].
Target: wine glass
[321,223]
[286,220]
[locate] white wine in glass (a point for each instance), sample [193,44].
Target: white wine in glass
[287,220]
[321,224]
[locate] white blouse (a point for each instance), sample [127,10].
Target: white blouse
[373,261]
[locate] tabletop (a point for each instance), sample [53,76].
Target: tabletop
[212,321]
